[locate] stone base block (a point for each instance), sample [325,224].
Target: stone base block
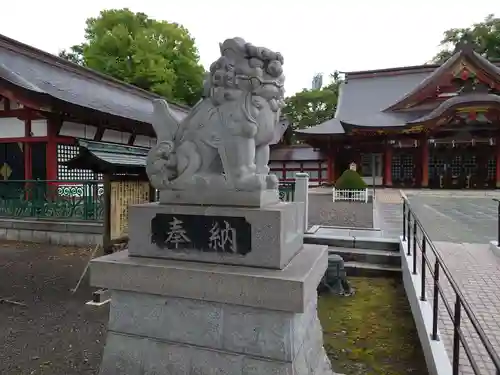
[270,334]
[214,197]
[289,289]
[172,317]
[276,233]
[135,355]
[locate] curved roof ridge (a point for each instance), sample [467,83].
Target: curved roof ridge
[472,98]
[428,80]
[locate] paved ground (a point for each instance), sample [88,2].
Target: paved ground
[56,333]
[457,219]
[460,224]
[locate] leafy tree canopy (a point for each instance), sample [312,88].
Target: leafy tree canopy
[157,56]
[484,35]
[311,107]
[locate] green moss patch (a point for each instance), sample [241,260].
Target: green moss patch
[372,332]
[350,180]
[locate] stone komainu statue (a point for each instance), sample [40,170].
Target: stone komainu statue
[224,141]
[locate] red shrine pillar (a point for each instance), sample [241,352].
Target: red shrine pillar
[331,167]
[497,149]
[330,162]
[51,151]
[424,161]
[388,164]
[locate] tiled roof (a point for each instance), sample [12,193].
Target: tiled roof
[42,73]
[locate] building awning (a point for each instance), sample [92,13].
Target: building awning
[109,158]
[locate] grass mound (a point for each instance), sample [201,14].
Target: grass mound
[372,332]
[350,180]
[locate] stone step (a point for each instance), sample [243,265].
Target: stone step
[371,270]
[353,242]
[383,257]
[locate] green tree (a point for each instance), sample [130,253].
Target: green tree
[485,36]
[311,107]
[157,56]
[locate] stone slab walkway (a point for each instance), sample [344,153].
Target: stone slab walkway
[473,266]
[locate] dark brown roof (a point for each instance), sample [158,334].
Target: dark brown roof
[48,75]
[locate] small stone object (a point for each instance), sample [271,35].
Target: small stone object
[335,279]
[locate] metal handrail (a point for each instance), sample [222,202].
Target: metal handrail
[460,301]
[498,221]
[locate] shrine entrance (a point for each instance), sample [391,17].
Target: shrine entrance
[403,168]
[462,166]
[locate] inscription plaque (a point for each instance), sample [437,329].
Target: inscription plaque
[221,234]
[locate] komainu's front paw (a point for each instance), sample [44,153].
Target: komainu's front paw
[272,182]
[252,182]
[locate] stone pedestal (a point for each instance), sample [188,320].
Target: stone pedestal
[199,310]
[276,233]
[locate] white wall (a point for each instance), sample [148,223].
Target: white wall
[12,128]
[144,141]
[73,129]
[13,105]
[39,128]
[115,136]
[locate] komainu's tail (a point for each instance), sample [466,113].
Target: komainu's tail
[164,123]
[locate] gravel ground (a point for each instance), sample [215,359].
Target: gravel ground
[56,333]
[345,214]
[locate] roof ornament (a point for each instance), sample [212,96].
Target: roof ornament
[466,44]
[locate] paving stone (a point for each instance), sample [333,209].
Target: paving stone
[460,226]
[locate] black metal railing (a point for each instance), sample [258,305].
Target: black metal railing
[416,239]
[498,221]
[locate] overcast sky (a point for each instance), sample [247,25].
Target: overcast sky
[314,36]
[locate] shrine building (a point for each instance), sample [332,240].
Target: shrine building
[435,126]
[47,103]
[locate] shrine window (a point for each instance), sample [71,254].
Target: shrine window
[367,165]
[491,169]
[66,152]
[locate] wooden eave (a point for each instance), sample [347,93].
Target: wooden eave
[46,104]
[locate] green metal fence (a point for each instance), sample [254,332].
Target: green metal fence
[286,191]
[58,200]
